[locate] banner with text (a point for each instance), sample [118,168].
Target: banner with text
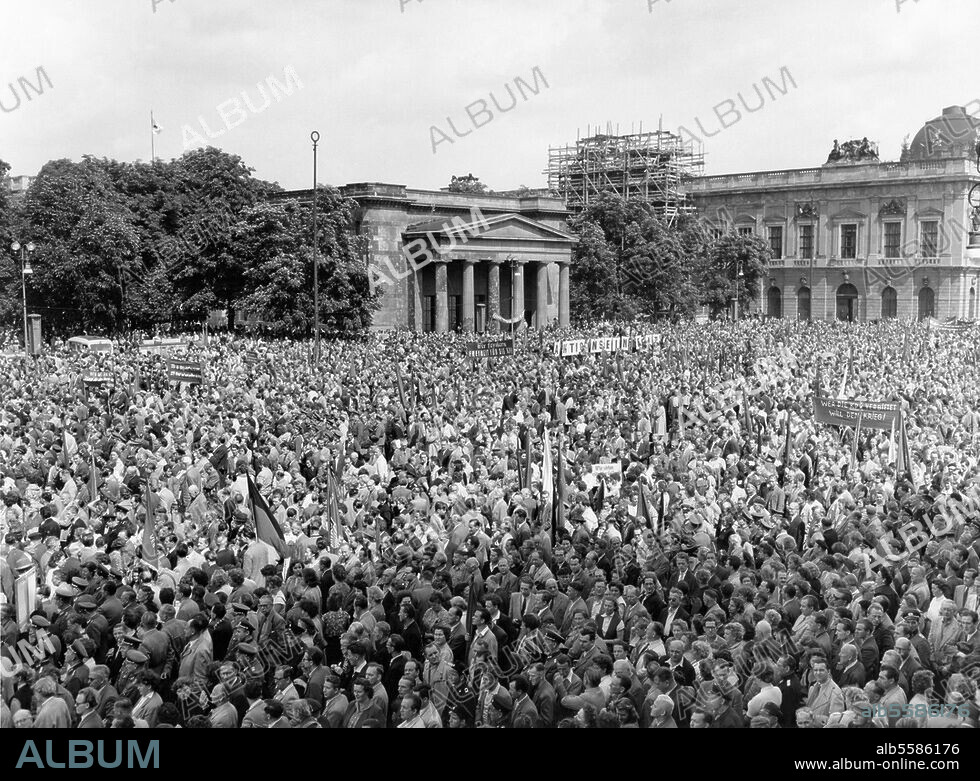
[604,344]
[191,372]
[494,348]
[845,412]
[98,378]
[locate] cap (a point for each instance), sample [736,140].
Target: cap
[248,648]
[238,607]
[136,656]
[64,590]
[80,582]
[40,621]
[86,602]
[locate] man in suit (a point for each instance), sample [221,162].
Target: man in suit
[850,671]
[255,714]
[86,706]
[673,611]
[678,664]
[196,657]
[576,603]
[396,669]
[543,694]
[866,647]
[410,631]
[154,642]
[524,709]
[439,676]
[522,601]
[559,602]
[825,697]
[503,582]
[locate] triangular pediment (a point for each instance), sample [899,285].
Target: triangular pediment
[510,227]
[849,214]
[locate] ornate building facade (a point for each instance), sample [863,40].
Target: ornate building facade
[861,239]
[473,262]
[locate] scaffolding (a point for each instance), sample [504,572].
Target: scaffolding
[654,166]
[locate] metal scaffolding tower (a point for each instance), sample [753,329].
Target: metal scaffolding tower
[655,166]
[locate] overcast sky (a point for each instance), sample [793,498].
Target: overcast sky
[375,76]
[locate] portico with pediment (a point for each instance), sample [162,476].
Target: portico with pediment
[481,263]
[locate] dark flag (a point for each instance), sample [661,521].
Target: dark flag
[93,479]
[401,391]
[644,518]
[599,497]
[904,458]
[266,526]
[333,512]
[149,547]
[788,454]
[854,446]
[558,521]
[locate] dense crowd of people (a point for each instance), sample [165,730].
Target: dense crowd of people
[654,537]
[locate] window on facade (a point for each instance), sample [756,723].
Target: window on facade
[745,231]
[428,313]
[776,240]
[848,241]
[893,239]
[889,303]
[806,242]
[929,239]
[455,312]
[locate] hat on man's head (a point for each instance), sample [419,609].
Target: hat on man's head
[86,602]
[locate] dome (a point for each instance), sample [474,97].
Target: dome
[953,134]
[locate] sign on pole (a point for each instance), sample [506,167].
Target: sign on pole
[844,412]
[191,372]
[493,348]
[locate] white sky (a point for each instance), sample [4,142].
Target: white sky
[375,77]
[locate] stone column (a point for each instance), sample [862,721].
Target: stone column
[469,297]
[493,296]
[442,296]
[517,307]
[564,313]
[541,313]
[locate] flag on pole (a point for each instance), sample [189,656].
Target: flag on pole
[599,498]
[644,517]
[547,469]
[558,521]
[333,513]
[854,445]
[93,479]
[267,527]
[64,447]
[154,126]
[149,527]
[788,450]
[528,482]
[401,391]
[680,415]
[904,464]
[746,415]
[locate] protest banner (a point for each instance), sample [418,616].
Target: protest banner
[493,348]
[191,372]
[609,470]
[604,344]
[98,378]
[844,412]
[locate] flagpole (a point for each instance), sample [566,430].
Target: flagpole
[153,152]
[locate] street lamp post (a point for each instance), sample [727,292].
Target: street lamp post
[315,138]
[25,269]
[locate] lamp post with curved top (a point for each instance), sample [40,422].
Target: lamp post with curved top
[315,138]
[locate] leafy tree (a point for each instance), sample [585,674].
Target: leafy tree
[467,184]
[10,290]
[86,244]
[274,243]
[734,268]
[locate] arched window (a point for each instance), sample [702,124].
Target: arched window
[889,303]
[847,302]
[803,303]
[774,302]
[927,303]
[972,309]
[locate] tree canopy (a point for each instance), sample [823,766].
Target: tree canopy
[123,245]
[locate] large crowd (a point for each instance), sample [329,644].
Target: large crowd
[660,536]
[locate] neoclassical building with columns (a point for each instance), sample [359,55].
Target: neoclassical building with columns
[861,239]
[464,261]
